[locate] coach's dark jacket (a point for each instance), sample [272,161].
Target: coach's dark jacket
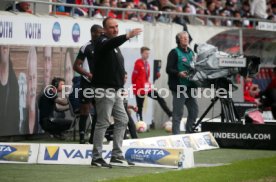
[109,63]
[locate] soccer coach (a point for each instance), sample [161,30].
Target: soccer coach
[109,78]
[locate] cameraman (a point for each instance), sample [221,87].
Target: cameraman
[178,66]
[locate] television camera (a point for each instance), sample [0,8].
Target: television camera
[213,67]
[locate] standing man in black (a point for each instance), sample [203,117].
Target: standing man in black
[86,55]
[108,81]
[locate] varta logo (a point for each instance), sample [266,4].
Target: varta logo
[149,152]
[6,150]
[148,155]
[83,154]
[51,153]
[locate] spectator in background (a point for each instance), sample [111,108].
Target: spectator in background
[60,8]
[159,5]
[144,16]
[200,3]
[128,15]
[85,2]
[229,8]
[222,22]
[115,4]
[237,23]
[177,3]
[270,12]
[218,6]
[192,8]
[77,11]
[245,13]
[211,8]
[165,18]
[201,19]
[245,9]
[258,9]
[251,91]
[101,13]
[21,7]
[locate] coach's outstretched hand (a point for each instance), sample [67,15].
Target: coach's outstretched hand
[133,33]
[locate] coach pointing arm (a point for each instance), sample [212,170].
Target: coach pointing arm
[105,44]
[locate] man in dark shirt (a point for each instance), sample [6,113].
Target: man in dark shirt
[86,55]
[108,79]
[51,118]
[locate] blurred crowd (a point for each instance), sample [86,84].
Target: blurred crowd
[261,9]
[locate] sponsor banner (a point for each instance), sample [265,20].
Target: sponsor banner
[56,31]
[142,156]
[205,141]
[18,153]
[267,26]
[69,154]
[186,141]
[149,142]
[156,157]
[249,136]
[196,141]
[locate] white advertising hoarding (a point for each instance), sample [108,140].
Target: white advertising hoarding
[18,152]
[196,141]
[141,156]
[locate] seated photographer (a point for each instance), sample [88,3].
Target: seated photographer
[251,91]
[52,109]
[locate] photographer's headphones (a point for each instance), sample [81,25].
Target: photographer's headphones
[177,39]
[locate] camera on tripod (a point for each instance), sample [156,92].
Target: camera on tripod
[216,68]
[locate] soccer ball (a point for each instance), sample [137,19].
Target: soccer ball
[168,126]
[141,126]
